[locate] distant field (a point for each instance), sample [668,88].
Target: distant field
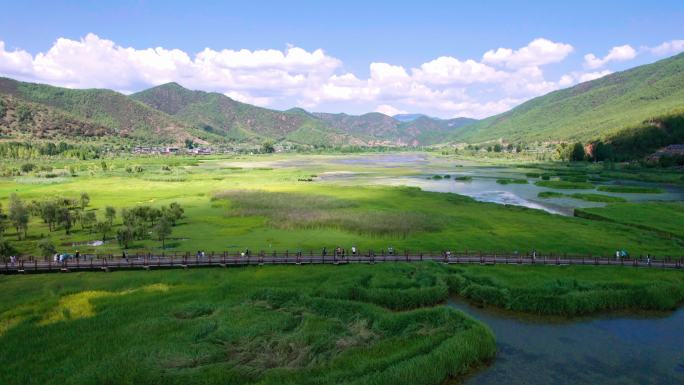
[666,217]
[268,203]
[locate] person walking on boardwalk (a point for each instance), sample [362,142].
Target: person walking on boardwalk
[324,252]
[353,250]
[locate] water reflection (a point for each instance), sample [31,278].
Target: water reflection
[608,350]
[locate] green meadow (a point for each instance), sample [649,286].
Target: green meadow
[347,324]
[287,202]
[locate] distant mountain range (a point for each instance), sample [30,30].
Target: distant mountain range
[628,101]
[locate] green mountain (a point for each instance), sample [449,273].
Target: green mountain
[598,109]
[377,128]
[218,114]
[97,111]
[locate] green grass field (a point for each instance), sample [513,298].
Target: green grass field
[353,324]
[664,217]
[224,207]
[380,324]
[273,325]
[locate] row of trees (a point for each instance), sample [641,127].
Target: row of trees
[28,150]
[577,152]
[65,213]
[140,221]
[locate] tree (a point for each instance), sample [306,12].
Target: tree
[602,152]
[85,199]
[498,147]
[103,227]
[110,214]
[88,220]
[578,154]
[152,214]
[18,215]
[65,218]
[173,213]
[48,212]
[24,113]
[267,148]
[125,235]
[27,167]
[47,248]
[162,230]
[6,249]
[2,221]
[189,144]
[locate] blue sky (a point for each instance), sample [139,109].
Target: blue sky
[429,55]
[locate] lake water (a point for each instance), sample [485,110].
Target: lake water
[483,186]
[605,350]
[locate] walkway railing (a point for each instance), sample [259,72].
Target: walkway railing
[226,259]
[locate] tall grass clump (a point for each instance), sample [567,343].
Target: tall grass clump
[310,211]
[511,181]
[631,189]
[273,325]
[562,184]
[566,293]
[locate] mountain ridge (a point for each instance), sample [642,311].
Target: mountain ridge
[597,109]
[645,98]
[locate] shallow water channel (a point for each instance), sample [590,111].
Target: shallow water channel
[606,350]
[483,186]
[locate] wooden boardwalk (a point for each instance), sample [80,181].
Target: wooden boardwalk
[148,262]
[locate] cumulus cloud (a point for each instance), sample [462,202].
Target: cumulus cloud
[389,110]
[538,52]
[449,70]
[96,62]
[668,48]
[446,86]
[620,53]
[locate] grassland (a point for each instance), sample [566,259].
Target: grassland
[663,217]
[370,216]
[261,203]
[353,324]
[581,196]
[276,325]
[570,290]
[630,189]
[564,185]
[380,324]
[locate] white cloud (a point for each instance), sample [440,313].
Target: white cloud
[581,77]
[449,70]
[668,48]
[389,110]
[620,53]
[445,86]
[538,52]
